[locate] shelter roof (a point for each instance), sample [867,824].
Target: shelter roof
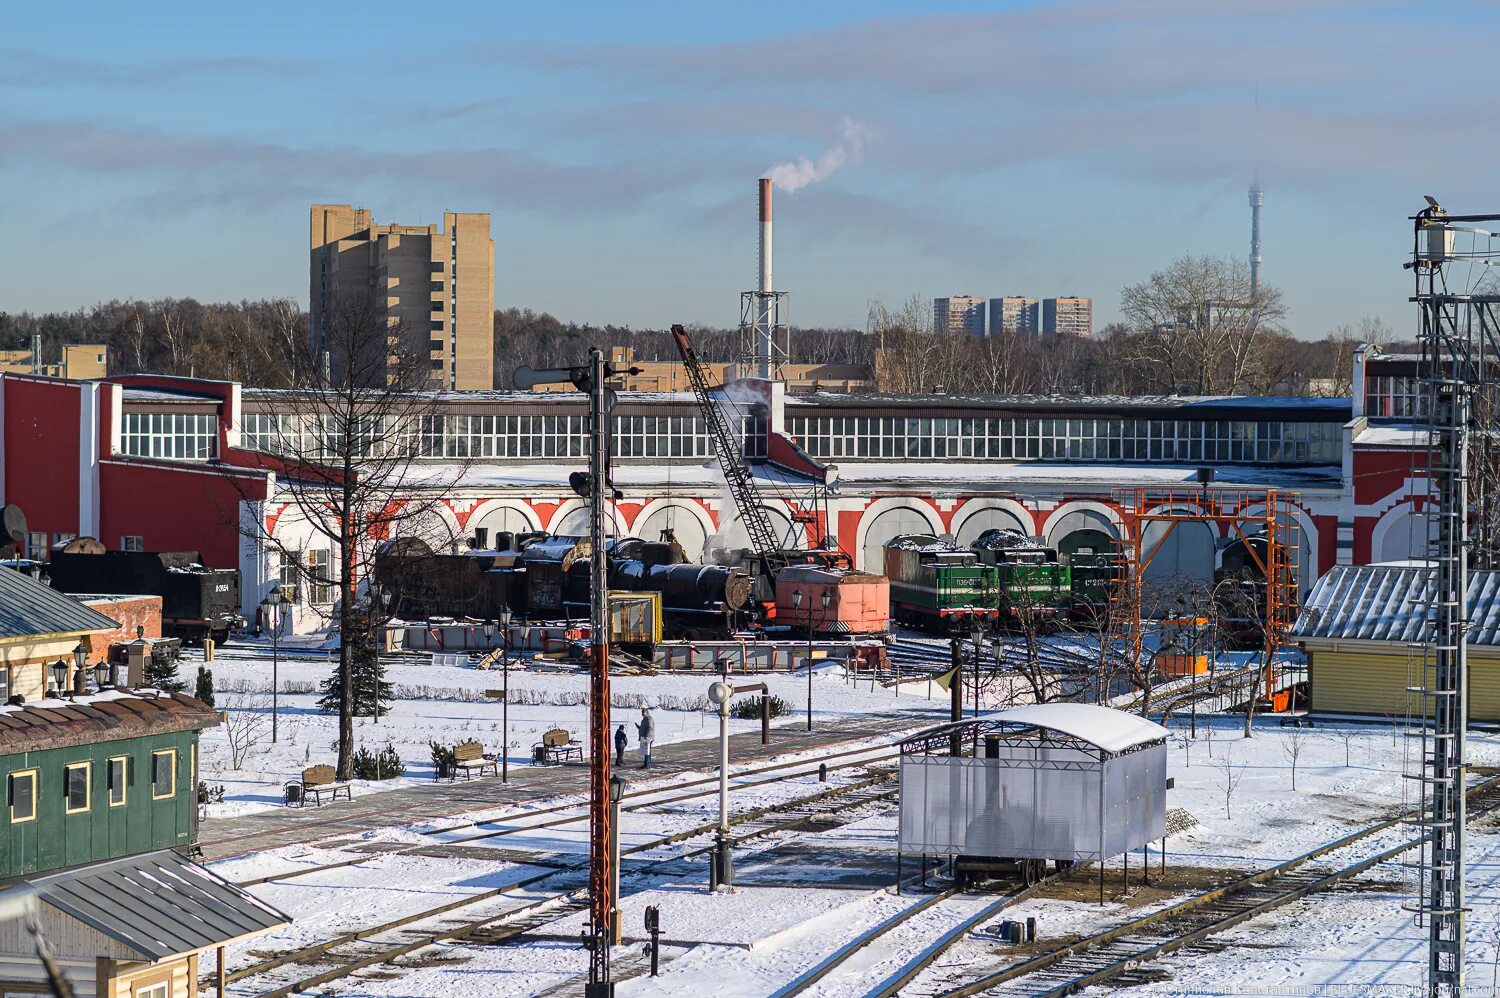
[1111,731]
[157,904]
[1103,727]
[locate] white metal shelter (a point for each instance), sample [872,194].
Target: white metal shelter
[1059,781]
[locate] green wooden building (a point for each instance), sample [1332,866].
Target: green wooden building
[98,777]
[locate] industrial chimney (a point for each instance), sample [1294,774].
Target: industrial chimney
[765,235]
[765,337]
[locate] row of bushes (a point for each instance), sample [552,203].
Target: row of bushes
[521,696]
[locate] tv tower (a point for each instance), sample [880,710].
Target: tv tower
[1257,199]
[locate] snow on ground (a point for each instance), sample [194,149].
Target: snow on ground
[801,897]
[445,703]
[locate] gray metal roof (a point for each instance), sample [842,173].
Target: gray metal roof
[1386,603]
[158,904]
[30,609]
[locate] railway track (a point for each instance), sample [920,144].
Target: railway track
[1117,954]
[576,812]
[351,952]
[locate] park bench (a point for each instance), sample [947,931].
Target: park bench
[469,757]
[556,745]
[317,781]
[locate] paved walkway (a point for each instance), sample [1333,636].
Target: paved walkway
[224,837]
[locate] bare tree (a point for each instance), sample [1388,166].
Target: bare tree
[247,722]
[1348,734]
[1198,324]
[1292,744]
[1230,776]
[352,440]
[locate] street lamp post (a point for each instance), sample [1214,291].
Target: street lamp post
[616,792]
[797,605]
[80,664]
[272,606]
[505,617]
[723,870]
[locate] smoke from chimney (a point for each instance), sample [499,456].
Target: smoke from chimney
[796,174]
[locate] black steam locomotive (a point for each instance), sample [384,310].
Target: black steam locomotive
[542,577]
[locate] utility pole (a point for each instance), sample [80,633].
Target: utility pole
[602,901]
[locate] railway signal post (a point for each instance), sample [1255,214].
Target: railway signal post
[602,880]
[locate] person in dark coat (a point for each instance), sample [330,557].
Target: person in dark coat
[620,741]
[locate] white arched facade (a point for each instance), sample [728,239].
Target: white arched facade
[886,519]
[1308,568]
[788,533]
[978,515]
[496,515]
[571,519]
[1182,550]
[1082,525]
[1402,533]
[688,521]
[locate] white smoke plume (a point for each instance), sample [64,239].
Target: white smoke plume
[802,171]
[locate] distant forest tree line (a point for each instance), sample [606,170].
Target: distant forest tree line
[1191,328]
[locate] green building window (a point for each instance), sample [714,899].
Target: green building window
[76,784]
[163,774]
[118,777]
[21,795]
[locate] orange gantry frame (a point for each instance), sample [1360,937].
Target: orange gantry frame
[1240,513]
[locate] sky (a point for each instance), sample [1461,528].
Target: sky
[173,149]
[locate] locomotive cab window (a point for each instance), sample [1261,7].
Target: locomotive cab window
[20,794]
[163,774]
[76,787]
[117,776]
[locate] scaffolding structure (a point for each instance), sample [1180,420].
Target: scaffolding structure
[1246,515]
[1459,330]
[765,333]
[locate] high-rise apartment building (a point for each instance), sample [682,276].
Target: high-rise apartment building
[1070,316]
[958,314]
[1015,314]
[435,283]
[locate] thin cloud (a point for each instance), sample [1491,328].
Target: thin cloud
[19,68]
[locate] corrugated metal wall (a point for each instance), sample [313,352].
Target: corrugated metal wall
[1374,681]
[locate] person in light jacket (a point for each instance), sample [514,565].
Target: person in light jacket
[620,741]
[647,731]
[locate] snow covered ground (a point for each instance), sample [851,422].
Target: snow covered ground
[802,896]
[446,703]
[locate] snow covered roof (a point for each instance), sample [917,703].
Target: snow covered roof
[1386,603]
[1405,435]
[1211,406]
[1103,727]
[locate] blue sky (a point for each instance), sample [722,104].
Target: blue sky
[992,148]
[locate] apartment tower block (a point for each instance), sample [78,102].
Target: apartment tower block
[958,314]
[1015,314]
[1068,316]
[436,283]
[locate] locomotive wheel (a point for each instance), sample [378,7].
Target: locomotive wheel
[1032,871]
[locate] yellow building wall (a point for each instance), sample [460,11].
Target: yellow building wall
[29,658]
[126,980]
[1347,680]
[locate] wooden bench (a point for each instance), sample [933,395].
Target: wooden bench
[557,746]
[316,782]
[470,756]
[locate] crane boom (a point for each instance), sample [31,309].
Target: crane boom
[731,459]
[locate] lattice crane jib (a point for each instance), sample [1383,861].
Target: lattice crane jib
[737,474]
